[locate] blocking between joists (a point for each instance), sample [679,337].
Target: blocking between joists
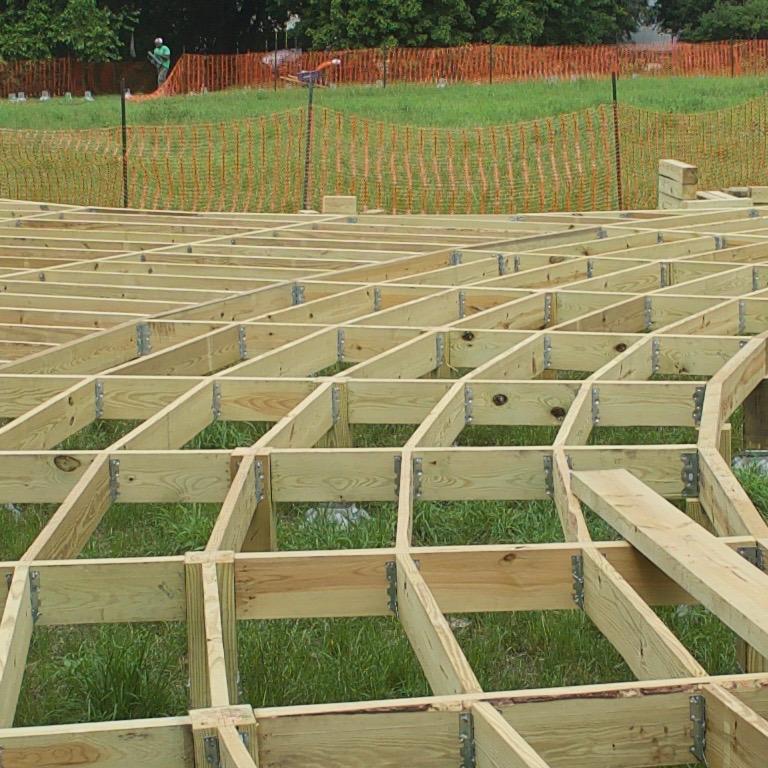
[211,629]
[225,737]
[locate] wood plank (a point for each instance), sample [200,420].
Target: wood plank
[498,744]
[16,627]
[722,580]
[437,650]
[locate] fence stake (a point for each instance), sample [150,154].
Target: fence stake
[490,64]
[384,66]
[275,67]
[617,141]
[308,147]
[733,59]
[124,138]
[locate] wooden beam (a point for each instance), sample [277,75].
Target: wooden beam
[437,650]
[16,627]
[498,744]
[722,580]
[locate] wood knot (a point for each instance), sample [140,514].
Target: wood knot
[66,463]
[558,412]
[468,336]
[500,399]
[621,347]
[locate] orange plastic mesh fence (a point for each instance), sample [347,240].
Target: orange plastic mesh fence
[566,162]
[471,63]
[194,73]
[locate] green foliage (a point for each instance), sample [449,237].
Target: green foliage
[731,21]
[43,28]
[676,15]
[355,23]
[700,20]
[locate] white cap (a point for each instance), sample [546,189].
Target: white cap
[336,61]
[158,41]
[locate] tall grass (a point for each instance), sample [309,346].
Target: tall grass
[457,106]
[88,673]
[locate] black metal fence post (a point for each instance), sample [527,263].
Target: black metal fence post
[308,146]
[490,64]
[275,64]
[383,66]
[617,141]
[124,137]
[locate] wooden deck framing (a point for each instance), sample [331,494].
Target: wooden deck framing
[318,322]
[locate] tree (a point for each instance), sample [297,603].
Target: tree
[677,15]
[729,21]
[569,22]
[508,21]
[43,28]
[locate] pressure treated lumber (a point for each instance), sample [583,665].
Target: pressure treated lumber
[419,363]
[723,581]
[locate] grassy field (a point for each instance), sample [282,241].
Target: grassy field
[114,672]
[456,106]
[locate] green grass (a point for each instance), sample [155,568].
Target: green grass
[458,106]
[128,671]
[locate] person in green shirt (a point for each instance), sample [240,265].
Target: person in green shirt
[161,58]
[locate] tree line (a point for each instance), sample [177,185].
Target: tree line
[102,30]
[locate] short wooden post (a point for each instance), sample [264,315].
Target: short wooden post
[677,182]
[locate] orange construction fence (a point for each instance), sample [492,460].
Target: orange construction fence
[470,63]
[563,162]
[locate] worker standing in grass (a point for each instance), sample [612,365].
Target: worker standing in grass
[161,58]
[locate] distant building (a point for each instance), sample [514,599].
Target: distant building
[650,35]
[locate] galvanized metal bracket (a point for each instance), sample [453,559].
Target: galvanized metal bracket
[398,472]
[698,710]
[391,571]
[143,339]
[376,298]
[742,317]
[595,406]
[577,572]
[114,479]
[502,262]
[547,308]
[418,476]
[468,403]
[216,401]
[753,555]
[664,274]
[516,262]
[648,313]
[258,471]
[549,479]
[242,342]
[34,594]
[467,740]
[462,295]
[99,398]
[547,351]
[211,750]
[753,213]
[340,344]
[439,349]
[602,233]
[455,258]
[590,268]
[755,279]
[698,404]
[690,474]
[655,355]
[297,294]
[335,403]
[719,242]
